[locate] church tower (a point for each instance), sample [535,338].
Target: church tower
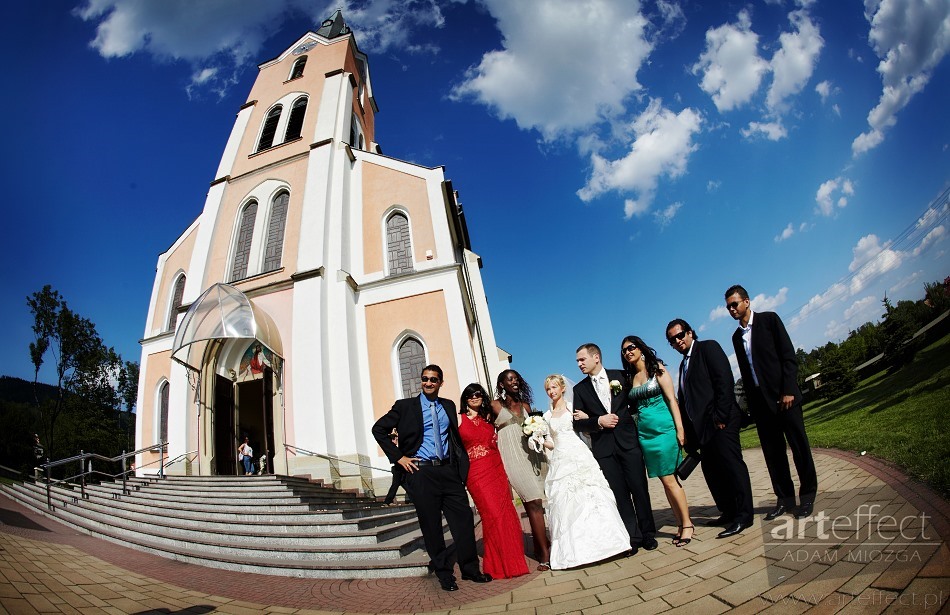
[320,277]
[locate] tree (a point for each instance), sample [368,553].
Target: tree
[898,328]
[91,379]
[837,373]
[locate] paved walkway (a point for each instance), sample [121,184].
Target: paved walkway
[878,544]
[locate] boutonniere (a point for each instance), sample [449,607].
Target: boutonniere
[615,386]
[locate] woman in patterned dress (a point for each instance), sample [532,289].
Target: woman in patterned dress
[502,537]
[511,407]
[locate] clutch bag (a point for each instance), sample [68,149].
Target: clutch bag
[686,467]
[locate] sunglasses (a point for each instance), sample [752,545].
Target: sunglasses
[628,349]
[475,395]
[430,378]
[678,337]
[733,305]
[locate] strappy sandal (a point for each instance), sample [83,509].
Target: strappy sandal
[680,541]
[679,535]
[544,566]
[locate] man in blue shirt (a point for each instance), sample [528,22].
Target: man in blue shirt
[434,470]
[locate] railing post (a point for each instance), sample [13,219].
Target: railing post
[82,474]
[161,460]
[124,490]
[49,497]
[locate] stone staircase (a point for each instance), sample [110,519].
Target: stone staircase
[277,525]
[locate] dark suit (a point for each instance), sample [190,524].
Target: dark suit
[434,489]
[618,452]
[705,399]
[776,367]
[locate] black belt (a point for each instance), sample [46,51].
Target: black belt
[432,462]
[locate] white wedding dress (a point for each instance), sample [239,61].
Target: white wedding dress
[582,512]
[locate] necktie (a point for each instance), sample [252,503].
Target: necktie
[436,431]
[683,367]
[600,385]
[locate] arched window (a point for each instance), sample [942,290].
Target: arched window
[412,358]
[275,232]
[177,295]
[356,132]
[398,244]
[270,128]
[295,123]
[242,249]
[163,413]
[297,70]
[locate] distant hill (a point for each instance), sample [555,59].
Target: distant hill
[20,391]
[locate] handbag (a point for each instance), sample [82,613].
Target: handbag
[687,465]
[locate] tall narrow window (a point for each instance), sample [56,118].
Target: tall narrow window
[177,294]
[398,244]
[275,232]
[412,358]
[270,128]
[242,249]
[163,413]
[297,71]
[295,123]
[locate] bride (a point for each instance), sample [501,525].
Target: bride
[585,525]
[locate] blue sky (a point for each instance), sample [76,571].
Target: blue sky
[620,163]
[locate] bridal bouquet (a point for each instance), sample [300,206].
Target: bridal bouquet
[536,429]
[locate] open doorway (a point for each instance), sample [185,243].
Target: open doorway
[255,418]
[225,438]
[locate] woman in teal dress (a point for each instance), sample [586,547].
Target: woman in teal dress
[653,404]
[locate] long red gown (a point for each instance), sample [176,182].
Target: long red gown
[488,484]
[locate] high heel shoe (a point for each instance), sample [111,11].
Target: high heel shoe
[680,541]
[679,535]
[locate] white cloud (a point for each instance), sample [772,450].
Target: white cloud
[793,64]
[824,90]
[835,330]
[836,109]
[863,310]
[825,197]
[760,303]
[665,216]
[785,234]
[871,260]
[549,78]
[718,313]
[934,236]
[713,185]
[663,141]
[773,131]
[730,65]
[217,40]
[910,37]
[820,303]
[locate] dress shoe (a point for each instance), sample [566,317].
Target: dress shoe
[478,577]
[633,551]
[721,521]
[733,529]
[804,510]
[449,585]
[776,512]
[649,544]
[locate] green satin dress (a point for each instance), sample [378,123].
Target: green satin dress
[661,452]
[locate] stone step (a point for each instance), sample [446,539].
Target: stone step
[308,523]
[157,497]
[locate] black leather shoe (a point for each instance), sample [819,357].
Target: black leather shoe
[649,544]
[733,529]
[804,510]
[449,585]
[633,551]
[480,577]
[721,521]
[776,512]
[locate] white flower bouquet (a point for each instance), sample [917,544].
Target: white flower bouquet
[536,429]
[615,386]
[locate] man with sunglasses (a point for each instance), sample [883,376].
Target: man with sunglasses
[769,371]
[434,468]
[711,419]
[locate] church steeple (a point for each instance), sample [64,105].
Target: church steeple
[334,27]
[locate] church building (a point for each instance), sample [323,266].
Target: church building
[318,280]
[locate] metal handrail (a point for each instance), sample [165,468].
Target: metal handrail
[330,457]
[176,459]
[85,470]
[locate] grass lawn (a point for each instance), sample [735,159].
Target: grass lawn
[902,417]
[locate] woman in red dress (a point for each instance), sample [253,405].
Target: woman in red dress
[488,484]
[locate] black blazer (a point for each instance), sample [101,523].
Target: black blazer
[406,417]
[708,395]
[774,356]
[604,441]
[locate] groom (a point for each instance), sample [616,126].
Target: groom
[615,443]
